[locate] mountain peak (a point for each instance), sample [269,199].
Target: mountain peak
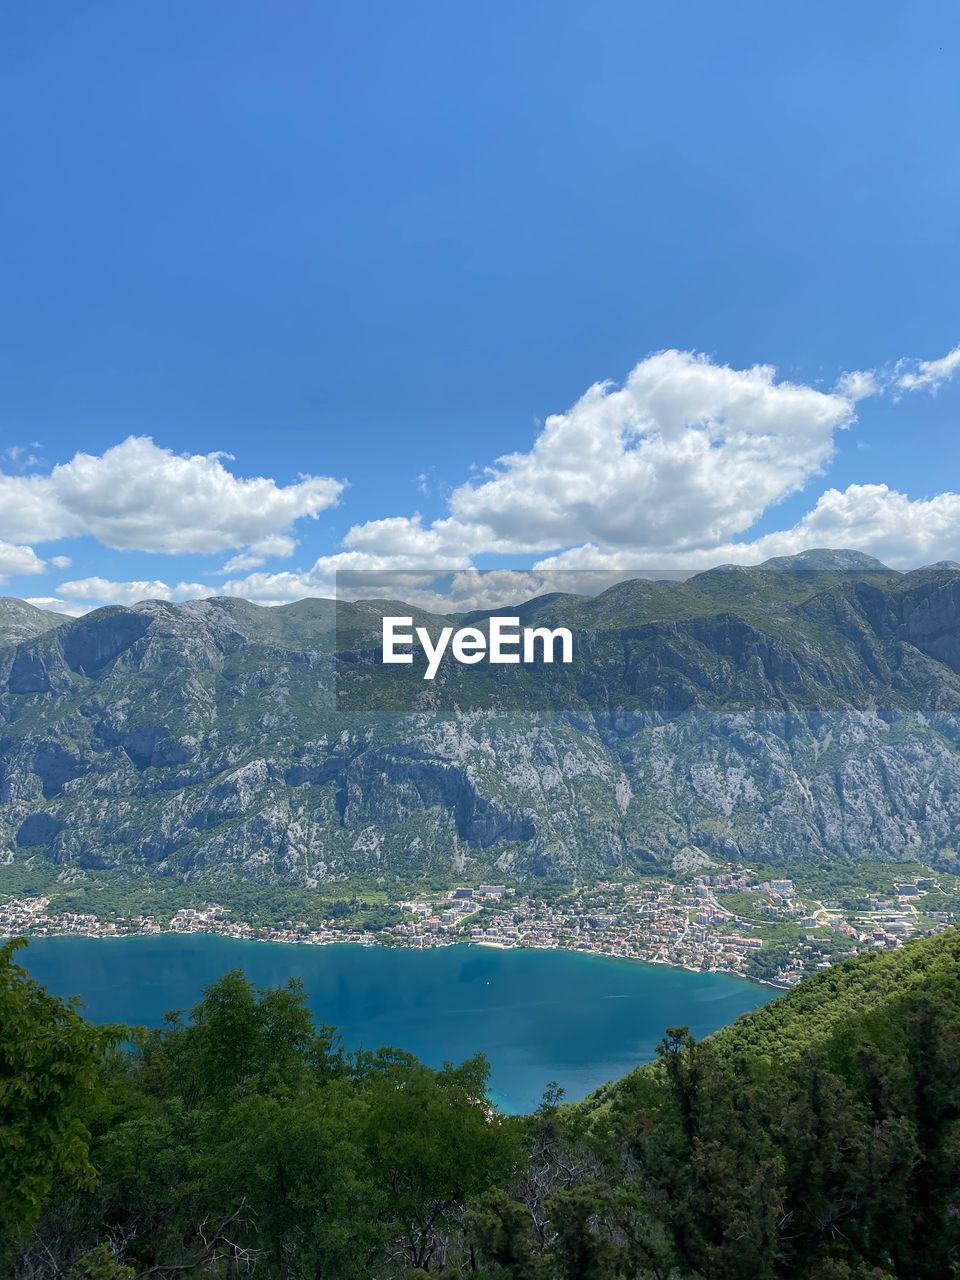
[21,621]
[825,559]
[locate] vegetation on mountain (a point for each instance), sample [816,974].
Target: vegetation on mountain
[805,715]
[816,1138]
[22,621]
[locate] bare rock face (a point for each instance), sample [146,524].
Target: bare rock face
[781,712]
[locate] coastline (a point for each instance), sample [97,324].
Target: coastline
[388,945]
[683,926]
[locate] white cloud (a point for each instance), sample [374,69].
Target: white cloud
[106,591]
[903,375]
[929,375]
[900,531]
[279,588]
[470,589]
[140,496]
[448,542]
[237,564]
[18,560]
[477,589]
[61,562]
[22,457]
[859,384]
[260,552]
[686,454]
[54,605]
[669,471]
[274,546]
[667,468]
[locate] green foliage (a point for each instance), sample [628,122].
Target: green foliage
[49,1059]
[113,896]
[817,1138]
[243,1133]
[100,1264]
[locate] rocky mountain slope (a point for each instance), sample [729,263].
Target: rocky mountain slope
[787,712]
[21,621]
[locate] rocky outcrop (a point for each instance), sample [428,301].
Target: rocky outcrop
[750,714]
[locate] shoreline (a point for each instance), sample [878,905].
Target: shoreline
[391,946]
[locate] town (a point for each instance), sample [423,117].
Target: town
[732,922]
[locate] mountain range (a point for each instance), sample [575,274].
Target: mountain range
[804,710]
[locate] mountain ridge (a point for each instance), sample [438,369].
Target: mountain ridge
[753,714]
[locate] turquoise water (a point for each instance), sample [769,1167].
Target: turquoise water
[538,1015]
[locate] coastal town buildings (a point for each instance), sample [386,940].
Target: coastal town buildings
[730,923]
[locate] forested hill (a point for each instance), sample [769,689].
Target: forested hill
[871,995]
[818,1139]
[789,712]
[868,996]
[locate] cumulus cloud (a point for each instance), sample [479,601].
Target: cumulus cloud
[320,580]
[138,496]
[105,591]
[928,375]
[274,546]
[903,375]
[669,471]
[448,541]
[263,588]
[900,531]
[686,453]
[16,559]
[665,469]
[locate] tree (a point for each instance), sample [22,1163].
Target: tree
[293,1166]
[49,1063]
[434,1144]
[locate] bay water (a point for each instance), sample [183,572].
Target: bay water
[539,1016]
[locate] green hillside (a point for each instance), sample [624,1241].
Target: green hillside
[869,997]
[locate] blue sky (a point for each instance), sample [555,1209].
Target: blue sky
[378,245]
